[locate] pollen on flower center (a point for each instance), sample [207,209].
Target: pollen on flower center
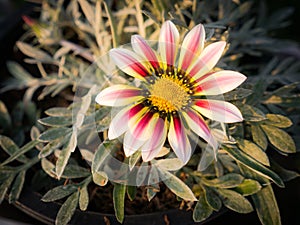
[168,94]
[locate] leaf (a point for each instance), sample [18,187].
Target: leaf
[56,121]
[5,119]
[235,201]
[112,24]
[254,165]
[266,206]
[278,121]
[173,164]
[251,113]
[65,155]
[5,186]
[10,148]
[104,149]
[118,199]
[236,94]
[177,186]
[59,192]
[212,198]
[259,136]
[17,187]
[131,192]
[75,171]
[100,178]
[59,111]
[254,151]
[280,139]
[88,11]
[27,147]
[134,158]
[248,187]
[67,210]
[54,134]
[83,198]
[34,52]
[229,180]
[18,71]
[51,147]
[202,209]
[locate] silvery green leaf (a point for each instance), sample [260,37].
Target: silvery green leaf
[54,134]
[254,165]
[177,186]
[59,192]
[87,154]
[134,158]
[65,155]
[266,206]
[59,111]
[248,187]
[280,139]
[17,187]
[229,180]
[118,199]
[100,178]
[235,201]
[254,151]
[278,121]
[202,209]
[83,198]
[67,209]
[10,148]
[259,136]
[51,147]
[212,198]
[74,171]
[5,186]
[173,164]
[48,167]
[56,121]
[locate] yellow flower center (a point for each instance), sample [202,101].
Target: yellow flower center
[169,94]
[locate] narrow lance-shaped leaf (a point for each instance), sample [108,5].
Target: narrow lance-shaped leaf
[118,199]
[67,209]
[17,187]
[254,165]
[202,209]
[83,198]
[5,186]
[59,192]
[10,148]
[266,206]
[30,145]
[177,186]
[65,155]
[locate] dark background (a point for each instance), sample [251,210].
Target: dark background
[288,198]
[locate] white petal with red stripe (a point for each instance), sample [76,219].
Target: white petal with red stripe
[154,145]
[207,59]
[141,47]
[197,124]
[219,82]
[178,140]
[119,95]
[191,47]
[218,110]
[168,42]
[129,62]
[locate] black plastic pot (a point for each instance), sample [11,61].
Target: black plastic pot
[31,204]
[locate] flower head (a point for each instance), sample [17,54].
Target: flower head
[172,96]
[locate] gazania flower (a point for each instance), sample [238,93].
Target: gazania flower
[172,95]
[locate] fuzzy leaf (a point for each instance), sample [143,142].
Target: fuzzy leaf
[83,198]
[54,133]
[229,180]
[35,53]
[278,121]
[59,111]
[202,209]
[212,198]
[118,199]
[59,192]
[10,148]
[254,165]
[266,206]
[280,139]
[75,171]
[67,210]
[235,201]
[100,178]
[248,187]
[17,187]
[173,164]
[259,136]
[177,186]
[56,121]
[254,151]
[65,155]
